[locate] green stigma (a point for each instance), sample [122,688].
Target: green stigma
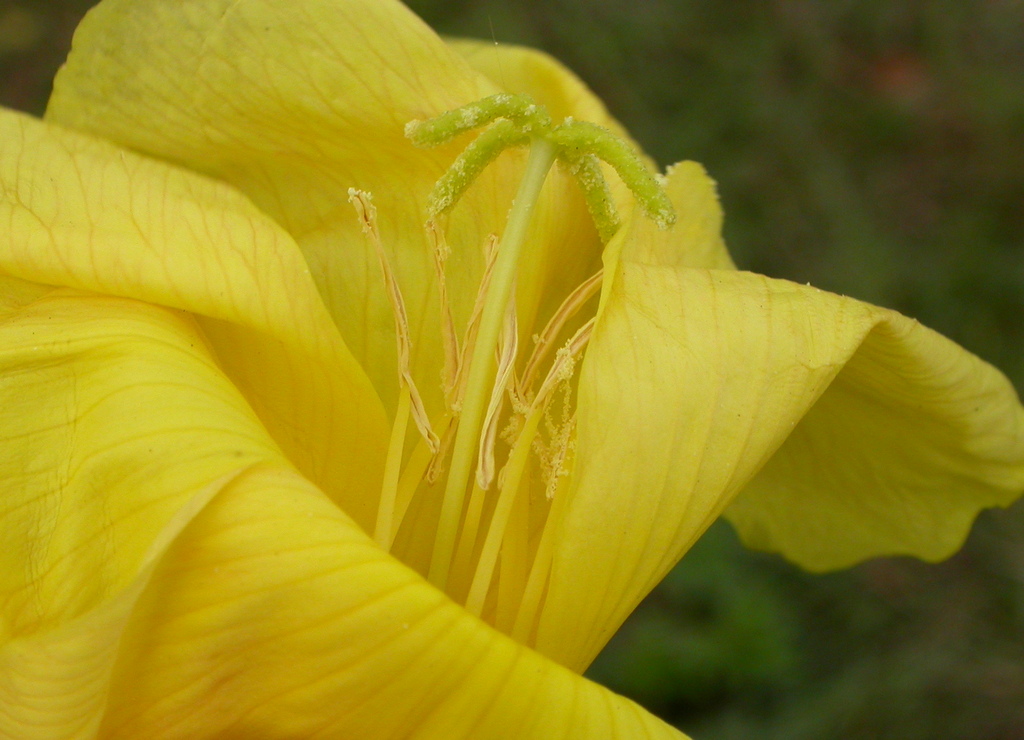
[576,139]
[516,120]
[520,110]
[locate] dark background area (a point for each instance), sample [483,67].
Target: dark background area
[874,149]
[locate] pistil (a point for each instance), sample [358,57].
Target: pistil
[475,383]
[481,366]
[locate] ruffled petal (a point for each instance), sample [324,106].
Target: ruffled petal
[910,441]
[116,428]
[167,574]
[294,103]
[85,214]
[694,380]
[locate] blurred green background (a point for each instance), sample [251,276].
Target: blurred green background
[872,148]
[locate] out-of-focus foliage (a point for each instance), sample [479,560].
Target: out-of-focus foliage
[874,149]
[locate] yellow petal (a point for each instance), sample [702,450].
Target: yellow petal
[274,617]
[115,425]
[166,573]
[695,378]
[15,293]
[86,214]
[294,103]
[910,441]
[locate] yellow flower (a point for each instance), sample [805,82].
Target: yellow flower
[199,379]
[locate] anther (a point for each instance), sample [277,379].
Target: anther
[556,452]
[546,339]
[565,362]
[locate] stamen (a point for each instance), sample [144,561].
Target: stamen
[469,339]
[565,362]
[384,528]
[508,347]
[546,340]
[409,401]
[575,138]
[520,109]
[513,562]
[560,372]
[363,203]
[536,583]
[462,563]
[449,337]
[415,471]
[517,460]
[436,466]
[553,456]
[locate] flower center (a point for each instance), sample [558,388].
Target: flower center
[474,521]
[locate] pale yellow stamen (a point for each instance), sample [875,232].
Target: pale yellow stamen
[384,528]
[507,351]
[546,339]
[536,583]
[508,347]
[363,203]
[513,562]
[449,337]
[416,469]
[517,460]
[554,454]
[565,362]
[409,401]
[462,564]
[473,326]
[436,467]
[560,373]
